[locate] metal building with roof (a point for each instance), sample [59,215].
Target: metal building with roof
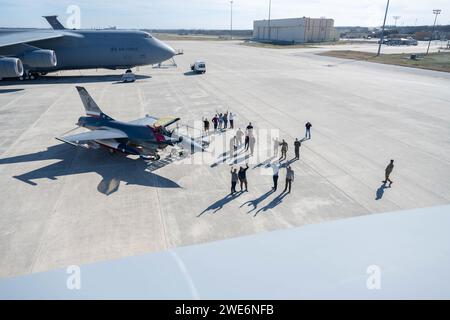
[295,30]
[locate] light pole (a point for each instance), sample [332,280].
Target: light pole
[231,26]
[382,30]
[270,11]
[396,18]
[436,12]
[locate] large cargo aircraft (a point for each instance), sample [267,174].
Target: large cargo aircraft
[28,54]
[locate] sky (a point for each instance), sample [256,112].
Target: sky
[215,14]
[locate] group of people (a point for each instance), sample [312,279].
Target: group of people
[241,177]
[241,174]
[297,144]
[220,121]
[249,141]
[285,148]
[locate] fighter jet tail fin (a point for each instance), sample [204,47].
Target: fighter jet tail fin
[54,22]
[92,109]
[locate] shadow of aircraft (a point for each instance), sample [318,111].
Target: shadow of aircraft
[71,79]
[10,90]
[114,169]
[257,201]
[219,204]
[274,203]
[191,73]
[380,191]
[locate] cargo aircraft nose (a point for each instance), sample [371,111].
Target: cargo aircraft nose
[164,51]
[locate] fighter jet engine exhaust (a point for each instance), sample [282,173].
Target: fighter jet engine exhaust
[40,59]
[10,68]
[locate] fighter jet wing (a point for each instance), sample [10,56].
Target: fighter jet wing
[99,134]
[16,38]
[166,121]
[147,121]
[155,122]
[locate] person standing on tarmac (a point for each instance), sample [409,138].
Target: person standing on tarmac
[308,127]
[215,122]
[234,180]
[297,145]
[239,136]
[289,179]
[243,177]
[276,174]
[206,125]
[231,117]
[284,150]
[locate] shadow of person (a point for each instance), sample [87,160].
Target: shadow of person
[266,163]
[113,169]
[274,203]
[288,163]
[254,203]
[219,204]
[380,191]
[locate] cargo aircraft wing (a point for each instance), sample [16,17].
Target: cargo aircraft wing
[17,38]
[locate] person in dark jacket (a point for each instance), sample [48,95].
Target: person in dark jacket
[297,145]
[234,180]
[388,172]
[215,122]
[243,177]
[206,125]
[308,127]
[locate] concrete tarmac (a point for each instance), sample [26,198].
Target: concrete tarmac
[62,206]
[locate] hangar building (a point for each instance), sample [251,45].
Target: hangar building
[295,30]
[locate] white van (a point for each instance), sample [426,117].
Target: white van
[199,66]
[128,76]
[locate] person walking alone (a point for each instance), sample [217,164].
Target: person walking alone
[388,172]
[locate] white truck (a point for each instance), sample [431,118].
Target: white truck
[199,66]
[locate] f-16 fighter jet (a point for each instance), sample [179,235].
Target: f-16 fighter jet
[144,137]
